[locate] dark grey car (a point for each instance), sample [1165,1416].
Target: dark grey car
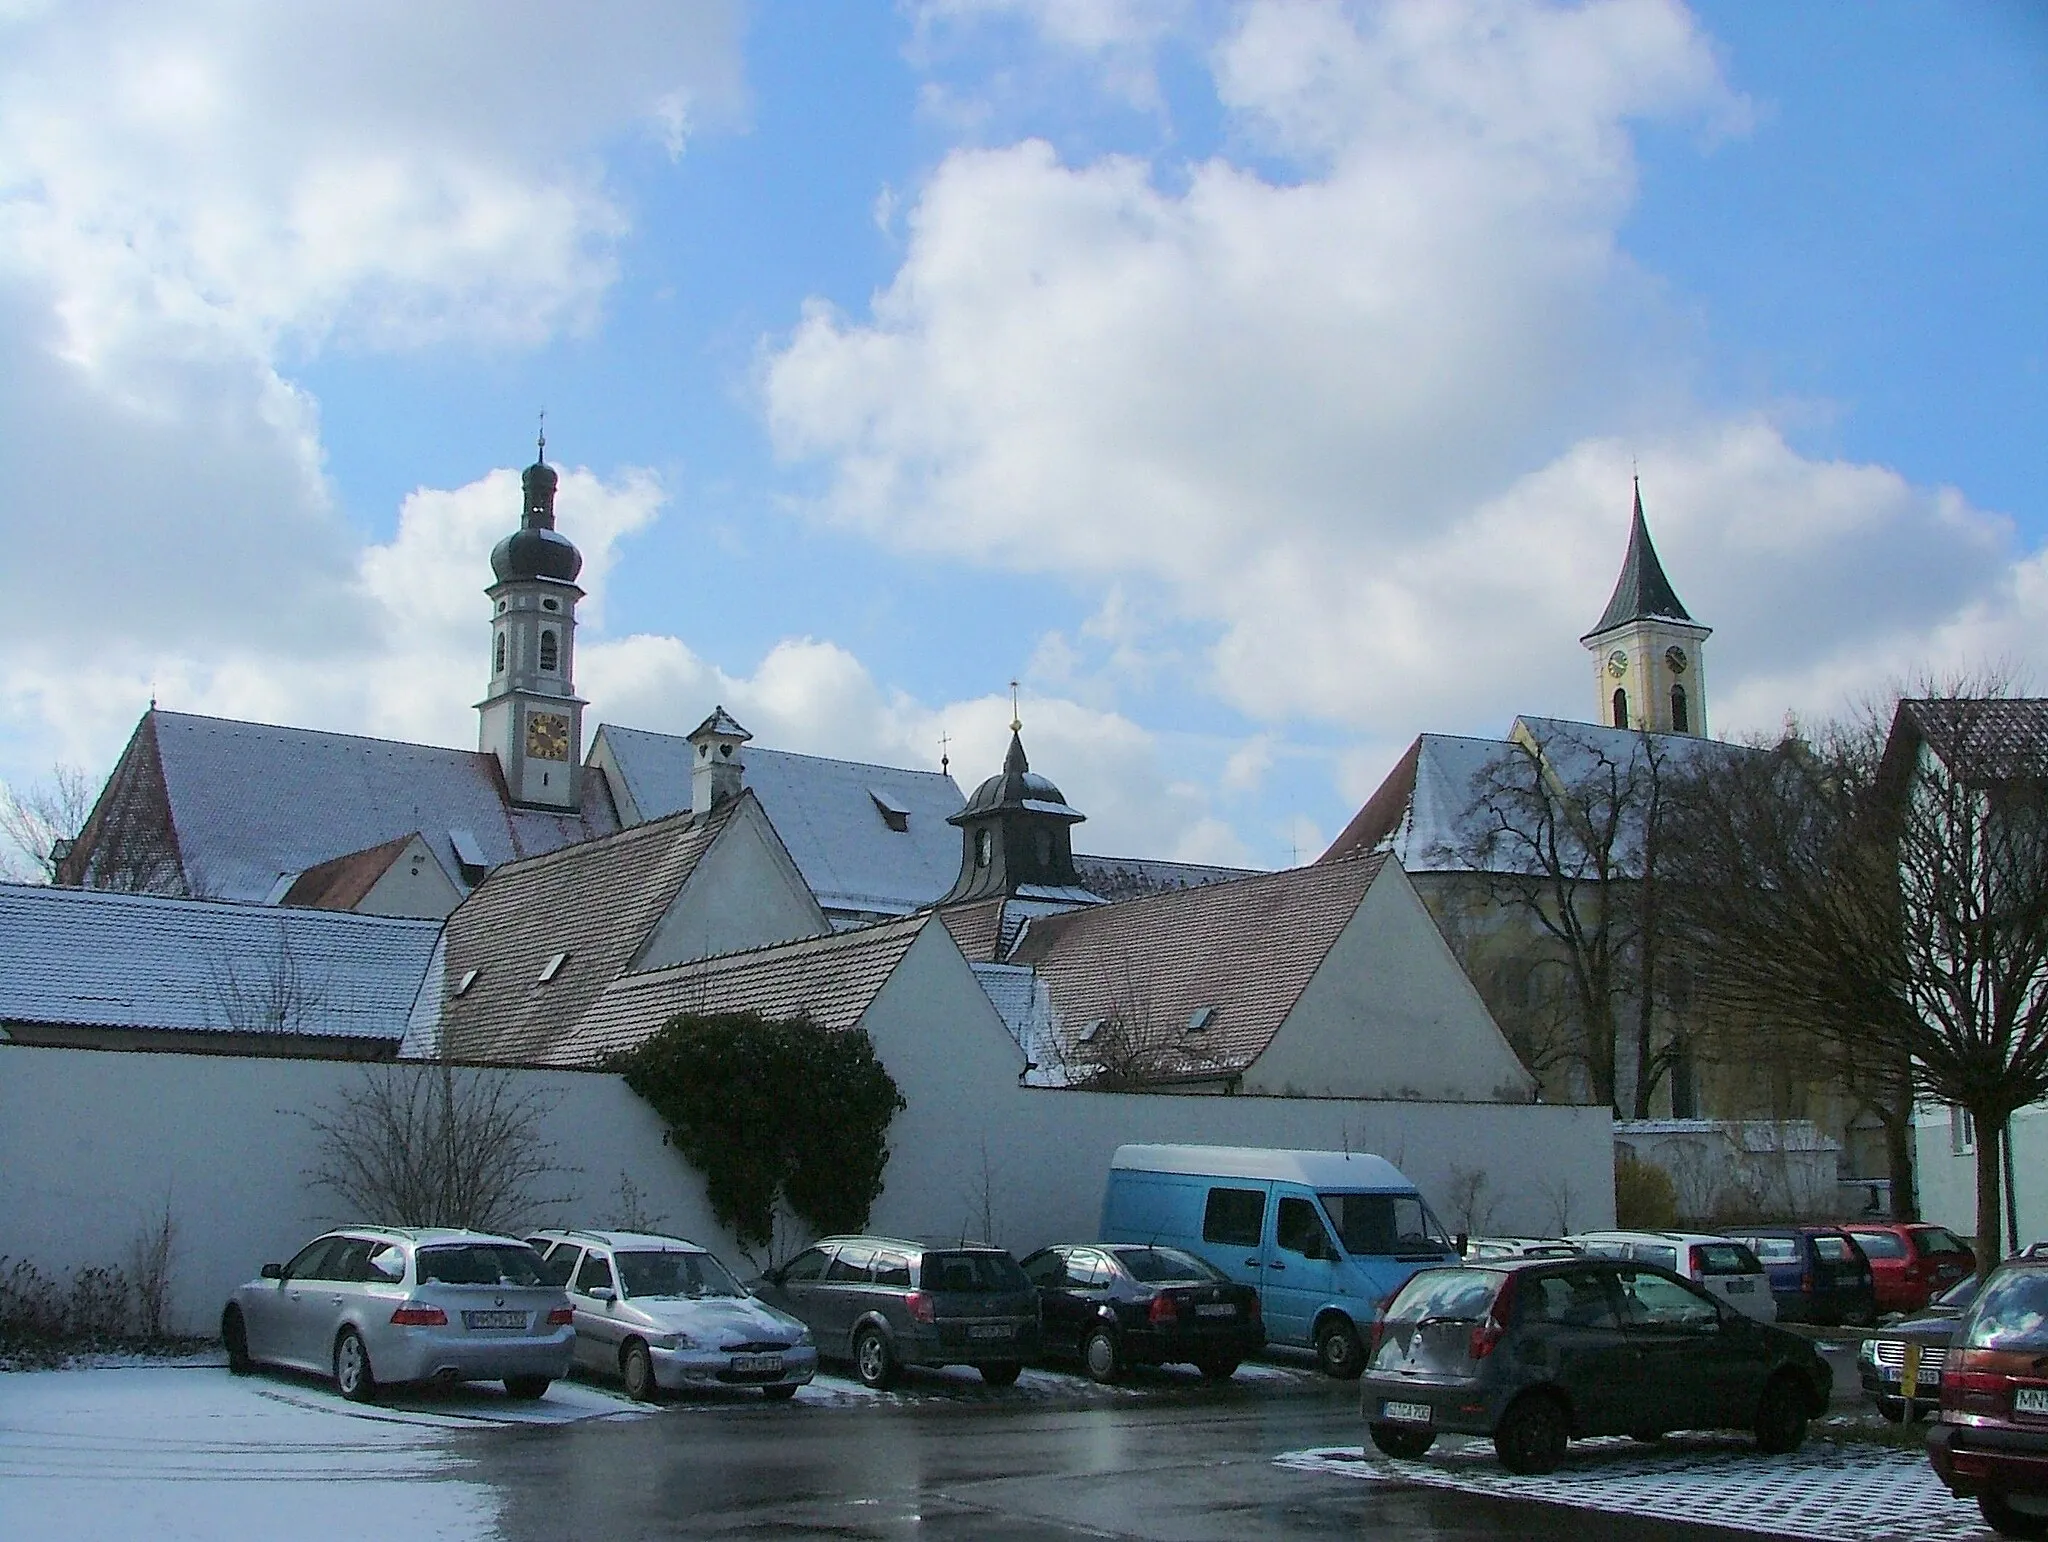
[884,1303]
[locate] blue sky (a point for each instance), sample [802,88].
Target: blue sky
[1259,384]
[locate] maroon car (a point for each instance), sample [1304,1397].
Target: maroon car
[1911,1262]
[1992,1442]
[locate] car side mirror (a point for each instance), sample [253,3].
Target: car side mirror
[603,1293]
[273,1271]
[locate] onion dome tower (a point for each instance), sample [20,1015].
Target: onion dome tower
[1648,673]
[1016,835]
[532,720]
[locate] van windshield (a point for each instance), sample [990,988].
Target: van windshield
[1385,1223]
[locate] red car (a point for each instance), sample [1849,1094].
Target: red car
[1911,1262]
[1992,1442]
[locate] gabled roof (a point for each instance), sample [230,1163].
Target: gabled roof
[1996,739]
[592,906]
[1244,951]
[1120,878]
[250,802]
[343,883]
[87,957]
[831,980]
[836,817]
[1642,591]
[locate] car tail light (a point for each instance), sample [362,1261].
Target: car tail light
[1695,1265]
[562,1317]
[413,1315]
[1806,1283]
[1966,1384]
[1163,1311]
[1486,1334]
[919,1305]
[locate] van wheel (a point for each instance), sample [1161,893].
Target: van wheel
[1781,1416]
[1099,1357]
[1532,1435]
[1338,1350]
[1393,1440]
[873,1361]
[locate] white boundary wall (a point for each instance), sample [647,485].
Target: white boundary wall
[1948,1176]
[94,1145]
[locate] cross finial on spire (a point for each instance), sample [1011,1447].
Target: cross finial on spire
[1016,717]
[945,760]
[542,456]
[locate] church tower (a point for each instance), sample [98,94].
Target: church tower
[532,720]
[1647,667]
[1016,836]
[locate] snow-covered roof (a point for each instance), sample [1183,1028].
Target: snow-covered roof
[1343,1170]
[838,818]
[90,958]
[1025,1006]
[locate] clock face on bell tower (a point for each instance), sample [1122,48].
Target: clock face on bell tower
[547,736]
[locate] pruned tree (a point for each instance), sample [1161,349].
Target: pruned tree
[41,820]
[434,1144]
[1882,889]
[277,993]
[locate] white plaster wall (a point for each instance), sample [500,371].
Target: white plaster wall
[744,893]
[413,886]
[1948,1179]
[1390,1013]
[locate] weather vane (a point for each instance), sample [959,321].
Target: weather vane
[1016,718]
[543,455]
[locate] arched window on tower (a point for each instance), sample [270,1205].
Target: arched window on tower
[1620,707]
[550,654]
[1680,723]
[498,658]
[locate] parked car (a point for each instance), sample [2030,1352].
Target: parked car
[884,1303]
[1901,1364]
[1992,1441]
[1537,1352]
[374,1305]
[1723,1266]
[1818,1273]
[1479,1248]
[1115,1304]
[663,1314]
[1323,1236]
[1911,1262]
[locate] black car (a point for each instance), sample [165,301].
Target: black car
[1917,1344]
[1992,1442]
[1536,1352]
[1115,1304]
[1819,1274]
[884,1303]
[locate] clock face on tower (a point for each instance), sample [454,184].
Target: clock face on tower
[1617,663]
[547,736]
[1675,657]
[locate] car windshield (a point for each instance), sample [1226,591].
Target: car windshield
[480,1263]
[1959,1295]
[973,1272]
[2013,1312]
[1939,1239]
[671,1272]
[1156,1266]
[1385,1223]
[1836,1250]
[1458,1294]
[1880,1244]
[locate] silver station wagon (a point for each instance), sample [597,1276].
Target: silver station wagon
[663,1313]
[370,1305]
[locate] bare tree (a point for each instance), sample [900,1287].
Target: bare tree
[438,1145]
[274,994]
[1469,1195]
[42,820]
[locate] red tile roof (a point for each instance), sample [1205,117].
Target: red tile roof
[345,882]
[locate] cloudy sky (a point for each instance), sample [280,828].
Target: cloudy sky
[1259,384]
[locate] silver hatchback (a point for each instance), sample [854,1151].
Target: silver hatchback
[372,1305]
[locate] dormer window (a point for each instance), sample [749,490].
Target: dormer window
[894,813]
[550,652]
[552,968]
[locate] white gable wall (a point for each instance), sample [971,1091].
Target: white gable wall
[414,886]
[1390,1014]
[743,893]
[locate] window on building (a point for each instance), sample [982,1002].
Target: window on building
[1680,723]
[550,655]
[1962,1131]
[498,662]
[1620,707]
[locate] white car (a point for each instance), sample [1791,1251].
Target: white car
[1477,1248]
[1721,1266]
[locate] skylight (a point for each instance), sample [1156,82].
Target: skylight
[1200,1018]
[1093,1030]
[468,979]
[552,967]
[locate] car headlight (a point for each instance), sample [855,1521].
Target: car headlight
[671,1341]
[806,1337]
[1867,1351]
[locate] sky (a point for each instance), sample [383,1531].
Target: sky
[1258,385]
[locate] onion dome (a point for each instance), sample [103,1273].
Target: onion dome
[536,549]
[1017,786]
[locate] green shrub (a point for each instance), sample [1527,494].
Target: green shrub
[1644,1197]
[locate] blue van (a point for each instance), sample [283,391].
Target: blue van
[1324,1236]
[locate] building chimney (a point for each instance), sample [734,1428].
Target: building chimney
[716,771]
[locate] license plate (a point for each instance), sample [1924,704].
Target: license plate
[1217,1309]
[494,1319]
[1407,1413]
[757,1365]
[2033,1400]
[1740,1287]
[1925,1378]
[991,1330]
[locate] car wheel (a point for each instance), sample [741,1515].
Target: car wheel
[1407,1444]
[1338,1350]
[637,1366]
[1002,1375]
[527,1388]
[1532,1435]
[1781,1416]
[779,1394]
[2002,1518]
[234,1334]
[1217,1370]
[1099,1357]
[874,1362]
[353,1378]
[1891,1410]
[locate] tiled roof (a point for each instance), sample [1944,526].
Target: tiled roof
[343,883]
[252,801]
[1147,967]
[830,814]
[596,904]
[831,980]
[87,957]
[977,928]
[1998,739]
[1120,878]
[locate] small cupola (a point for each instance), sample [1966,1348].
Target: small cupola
[1016,834]
[536,549]
[716,772]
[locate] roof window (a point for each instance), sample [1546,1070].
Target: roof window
[469,856]
[895,813]
[468,979]
[552,968]
[1093,1031]
[1200,1019]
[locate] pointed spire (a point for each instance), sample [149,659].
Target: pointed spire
[1642,590]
